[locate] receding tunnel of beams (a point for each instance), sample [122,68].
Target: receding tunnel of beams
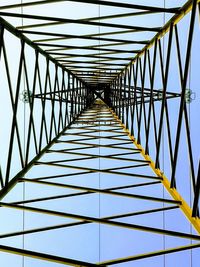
[91,189]
[95,44]
[87,171]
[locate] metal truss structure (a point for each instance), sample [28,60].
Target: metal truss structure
[97,136]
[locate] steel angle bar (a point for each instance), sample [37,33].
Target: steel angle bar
[12,102]
[61,36]
[74,67]
[20,174]
[51,93]
[149,255]
[195,222]
[102,221]
[103,191]
[127,167]
[36,25]
[67,166]
[148,90]
[173,21]
[42,229]
[23,38]
[135,185]
[106,146]
[1,44]
[76,194]
[75,159]
[43,124]
[56,99]
[96,2]
[1,178]
[14,119]
[130,6]
[65,61]
[52,88]
[183,89]
[97,170]
[46,257]
[84,127]
[99,137]
[142,109]
[51,197]
[78,21]
[139,213]
[185,113]
[62,175]
[86,72]
[196,194]
[31,125]
[58,37]
[58,46]
[82,138]
[122,44]
[49,228]
[106,156]
[165,82]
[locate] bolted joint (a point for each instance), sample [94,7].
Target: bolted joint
[26,96]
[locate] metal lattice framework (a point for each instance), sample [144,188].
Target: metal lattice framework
[125,107]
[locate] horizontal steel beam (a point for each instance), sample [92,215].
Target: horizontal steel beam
[78,21]
[49,228]
[84,37]
[102,191]
[103,221]
[89,56]
[96,2]
[149,255]
[46,257]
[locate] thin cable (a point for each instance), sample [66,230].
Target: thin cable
[99,113]
[190,173]
[163,145]
[99,197]
[24,148]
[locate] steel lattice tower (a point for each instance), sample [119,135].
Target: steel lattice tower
[99,138]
